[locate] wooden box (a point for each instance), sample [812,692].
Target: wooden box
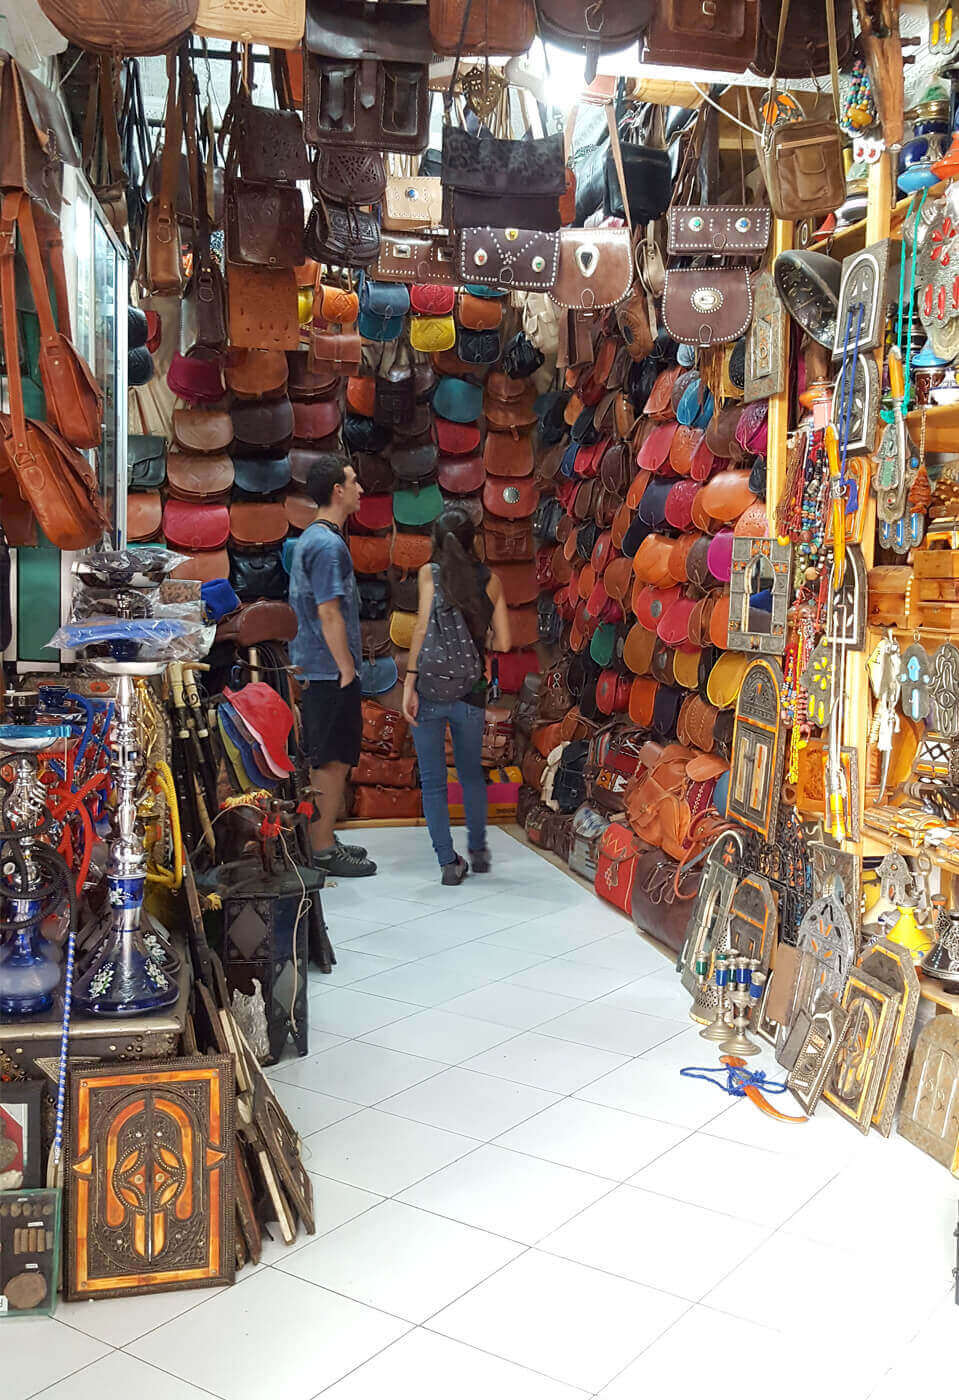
[888,587]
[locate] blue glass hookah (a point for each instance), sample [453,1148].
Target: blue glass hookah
[31,877]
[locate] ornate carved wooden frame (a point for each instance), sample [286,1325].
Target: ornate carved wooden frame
[740,636]
[757,752]
[892,965]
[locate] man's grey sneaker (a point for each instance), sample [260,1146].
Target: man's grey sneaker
[456,872]
[359,851]
[481,861]
[343,865]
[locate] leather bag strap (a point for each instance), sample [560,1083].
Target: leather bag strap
[172,134]
[11,345]
[34,261]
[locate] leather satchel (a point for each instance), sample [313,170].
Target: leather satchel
[262,424]
[337,353]
[276,24]
[263,312]
[702,34]
[257,524]
[593,26]
[253,374]
[385,732]
[255,576]
[662,891]
[264,224]
[267,142]
[507,541]
[146,461]
[255,623]
[38,138]
[375,771]
[194,527]
[412,203]
[595,268]
[342,235]
[413,260]
[202,429]
[707,306]
[160,270]
[144,516]
[349,175]
[74,399]
[386,803]
[619,853]
[315,420]
[200,479]
[488,180]
[793,38]
[366,75]
[486,28]
[134,31]
[508,258]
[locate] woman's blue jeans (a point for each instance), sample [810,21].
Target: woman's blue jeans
[429,736]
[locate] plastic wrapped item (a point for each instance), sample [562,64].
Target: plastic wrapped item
[29,1252]
[131,568]
[135,639]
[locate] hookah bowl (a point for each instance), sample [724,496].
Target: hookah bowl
[126,977]
[747,988]
[942,961]
[29,965]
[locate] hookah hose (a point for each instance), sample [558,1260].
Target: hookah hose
[162,777]
[71,801]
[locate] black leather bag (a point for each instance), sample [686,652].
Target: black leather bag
[258,575]
[647,170]
[521,357]
[478,347]
[342,235]
[374,599]
[505,184]
[146,462]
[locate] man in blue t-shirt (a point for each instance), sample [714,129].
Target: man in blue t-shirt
[327,650]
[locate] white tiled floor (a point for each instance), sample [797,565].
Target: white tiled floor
[518,1196]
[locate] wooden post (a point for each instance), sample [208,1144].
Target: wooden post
[782,241]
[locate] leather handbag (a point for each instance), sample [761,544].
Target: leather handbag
[593,28]
[366,75]
[524,626]
[375,600]
[342,235]
[707,306]
[478,347]
[311,422]
[646,167]
[104,27]
[375,514]
[386,803]
[264,223]
[412,203]
[413,260]
[144,516]
[410,552]
[305,384]
[146,461]
[276,24]
[160,268]
[206,567]
[688,33]
[432,333]
[479,313]
[194,527]
[199,478]
[618,857]
[39,138]
[793,39]
[73,396]
[263,312]
[349,175]
[375,771]
[414,466]
[300,510]
[385,732]
[258,524]
[255,623]
[461,476]
[595,268]
[402,625]
[262,424]
[261,476]
[499,182]
[267,142]
[432,299]
[802,164]
[508,454]
[508,258]
[507,541]
[662,893]
[254,374]
[335,352]
[486,28]
[511,498]
[370,553]
[202,430]
[256,576]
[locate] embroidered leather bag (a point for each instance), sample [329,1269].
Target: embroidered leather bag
[508,258]
[494,181]
[263,311]
[106,27]
[342,235]
[276,24]
[412,203]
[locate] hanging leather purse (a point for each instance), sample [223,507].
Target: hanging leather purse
[413,260]
[507,541]
[276,24]
[647,168]
[486,28]
[366,75]
[105,27]
[593,26]
[493,181]
[144,516]
[194,527]
[263,308]
[258,524]
[202,429]
[395,397]
[199,479]
[349,175]
[342,235]
[331,352]
[508,258]
[256,576]
[412,203]
[316,420]
[203,321]
[254,374]
[38,137]
[410,552]
[266,142]
[802,162]
[370,553]
[160,269]
[512,498]
[596,265]
[802,42]
[300,511]
[261,425]
[146,461]
[264,224]
[694,34]
[74,399]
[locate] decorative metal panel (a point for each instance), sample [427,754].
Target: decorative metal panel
[822,1033]
[757,752]
[847,606]
[753,920]
[827,950]
[862,399]
[945,689]
[754,562]
[929,1117]
[859,1068]
[892,965]
[150,1178]
[838,873]
[766,343]
[709,922]
[863,285]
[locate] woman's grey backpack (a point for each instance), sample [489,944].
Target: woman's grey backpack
[449,664]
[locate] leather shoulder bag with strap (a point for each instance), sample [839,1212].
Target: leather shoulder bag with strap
[161,264]
[131,30]
[277,24]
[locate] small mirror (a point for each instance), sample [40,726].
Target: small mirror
[758,597]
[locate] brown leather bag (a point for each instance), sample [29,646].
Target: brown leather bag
[263,308]
[258,524]
[74,398]
[519,586]
[370,553]
[385,731]
[386,803]
[690,34]
[41,473]
[410,551]
[507,541]
[160,271]
[38,138]
[133,31]
[486,28]
[374,771]
[192,477]
[276,24]
[264,223]
[255,374]
[335,352]
[202,429]
[144,516]
[266,620]
[209,565]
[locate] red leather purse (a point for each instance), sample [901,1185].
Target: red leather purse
[619,853]
[193,527]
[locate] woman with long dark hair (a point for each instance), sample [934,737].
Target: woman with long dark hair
[460,604]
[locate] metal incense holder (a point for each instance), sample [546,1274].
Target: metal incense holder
[718,1028]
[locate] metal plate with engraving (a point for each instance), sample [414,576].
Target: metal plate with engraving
[929,1117]
[864,282]
[766,360]
[859,1069]
[816,1054]
[757,751]
[892,965]
[709,921]
[862,396]
[827,950]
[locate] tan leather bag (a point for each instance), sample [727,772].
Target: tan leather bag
[487,28]
[263,308]
[160,270]
[412,202]
[131,30]
[277,24]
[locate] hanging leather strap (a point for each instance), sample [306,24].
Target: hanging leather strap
[172,136]
[51,241]
[23,214]
[23,454]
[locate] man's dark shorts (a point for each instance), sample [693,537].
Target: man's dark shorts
[332,722]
